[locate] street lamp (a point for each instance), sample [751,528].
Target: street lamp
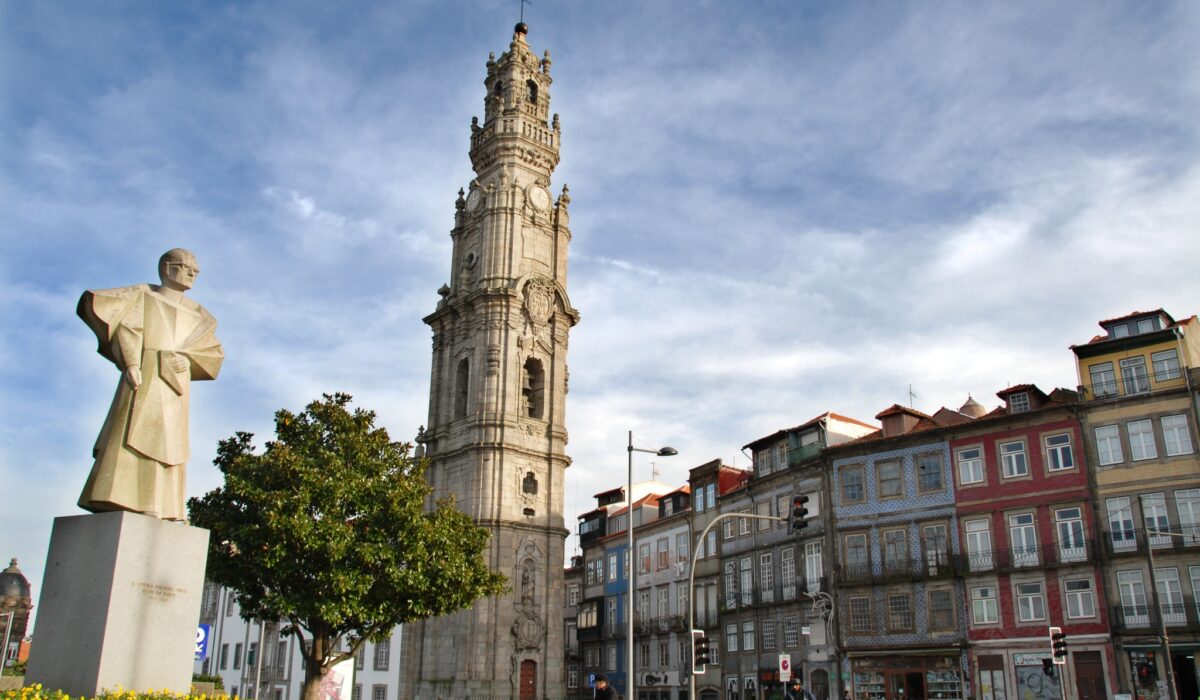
[661,452]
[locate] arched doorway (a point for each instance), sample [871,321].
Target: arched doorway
[528,680]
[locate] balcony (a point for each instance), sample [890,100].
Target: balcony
[1133,540]
[1133,385]
[1182,614]
[799,455]
[932,565]
[1057,554]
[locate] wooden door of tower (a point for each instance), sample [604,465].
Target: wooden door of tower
[528,680]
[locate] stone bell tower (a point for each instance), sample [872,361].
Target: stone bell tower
[497,430]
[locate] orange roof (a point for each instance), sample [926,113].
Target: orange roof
[896,409]
[1135,314]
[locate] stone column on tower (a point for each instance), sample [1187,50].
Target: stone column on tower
[496,433]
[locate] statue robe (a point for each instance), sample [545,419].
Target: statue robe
[143,447]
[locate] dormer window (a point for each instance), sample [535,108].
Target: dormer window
[1146,325]
[1018,402]
[1120,331]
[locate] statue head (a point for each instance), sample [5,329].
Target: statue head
[177,268]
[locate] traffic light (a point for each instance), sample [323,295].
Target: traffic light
[701,654]
[1145,673]
[1048,667]
[1058,645]
[799,513]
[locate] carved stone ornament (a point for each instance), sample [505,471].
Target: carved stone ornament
[474,199]
[539,198]
[539,300]
[528,630]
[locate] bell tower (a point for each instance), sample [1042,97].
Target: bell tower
[497,435]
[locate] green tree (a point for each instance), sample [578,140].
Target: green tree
[328,529]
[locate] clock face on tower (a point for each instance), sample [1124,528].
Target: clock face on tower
[473,201]
[539,198]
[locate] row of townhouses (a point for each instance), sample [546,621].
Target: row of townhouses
[939,549]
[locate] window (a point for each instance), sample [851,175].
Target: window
[612,657]
[644,654]
[1154,514]
[900,612]
[1141,440]
[533,392]
[664,602]
[890,483]
[612,567]
[281,653]
[1121,331]
[612,611]
[787,573]
[852,484]
[860,614]
[978,544]
[929,473]
[461,383]
[1058,452]
[644,558]
[1031,603]
[360,657]
[856,554]
[378,692]
[1018,402]
[747,582]
[1022,536]
[1069,524]
[1120,523]
[643,605]
[747,636]
[1145,325]
[1080,602]
[714,652]
[712,544]
[681,600]
[791,631]
[664,552]
[1133,598]
[895,550]
[1012,459]
[970,466]
[727,528]
[1133,374]
[1166,365]
[768,634]
[937,547]
[383,651]
[1108,445]
[664,654]
[681,547]
[1187,505]
[356,692]
[710,495]
[237,656]
[1104,381]
[730,584]
[573,595]
[814,568]
[941,610]
[744,523]
[731,637]
[783,505]
[572,678]
[984,608]
[764,510]
[766,576]
[1176,438]
[224,656]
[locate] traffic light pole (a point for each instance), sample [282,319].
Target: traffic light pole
[1164,641]
[692,581]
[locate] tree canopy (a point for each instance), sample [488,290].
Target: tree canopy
[328,529]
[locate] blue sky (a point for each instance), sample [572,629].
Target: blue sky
[779,208]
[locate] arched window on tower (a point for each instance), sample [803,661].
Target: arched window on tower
[461,383]
[533,388]
[532,92]
[499,90]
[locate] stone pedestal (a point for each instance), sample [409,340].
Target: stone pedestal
[119,605]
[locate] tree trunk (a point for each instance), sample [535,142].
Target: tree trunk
[312,682]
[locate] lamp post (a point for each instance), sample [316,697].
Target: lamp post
[661,452]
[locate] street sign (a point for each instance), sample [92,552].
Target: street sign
[785,668]
[202,634]
[805,630]
[591,680]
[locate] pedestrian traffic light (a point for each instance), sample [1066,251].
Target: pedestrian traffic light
[1048,667]
[701,653]
[799,513]
[1058,645]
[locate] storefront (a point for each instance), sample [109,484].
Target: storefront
[907,677]
[1027,672]
[1146,668]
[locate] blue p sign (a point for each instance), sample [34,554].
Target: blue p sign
[202,632]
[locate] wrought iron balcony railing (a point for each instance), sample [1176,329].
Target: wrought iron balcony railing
[1133,385]
[1132,540]
[1182,612]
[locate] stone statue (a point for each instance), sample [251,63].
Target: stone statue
[161,342]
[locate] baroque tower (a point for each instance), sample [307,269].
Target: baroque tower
[497,434]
